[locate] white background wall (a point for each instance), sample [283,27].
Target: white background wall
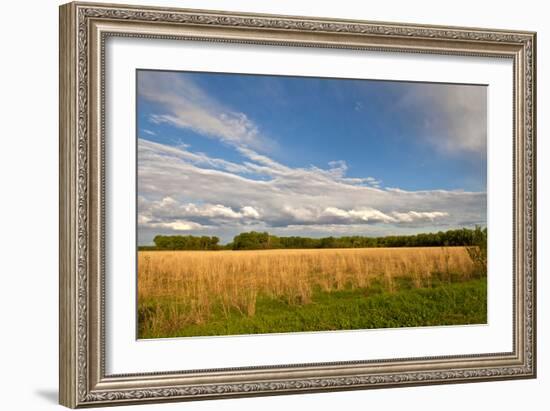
[28,205]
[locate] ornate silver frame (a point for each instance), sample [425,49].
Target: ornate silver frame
[84,27]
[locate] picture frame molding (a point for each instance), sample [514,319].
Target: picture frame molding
[84,28]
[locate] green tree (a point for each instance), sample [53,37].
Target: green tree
[478,250]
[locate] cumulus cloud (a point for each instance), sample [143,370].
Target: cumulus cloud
[176,225]
[187,106]
[250,212]
[170,209]
[371,215]
[180,190]
[315,215]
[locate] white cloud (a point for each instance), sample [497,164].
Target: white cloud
[150,151]
[170,209]
[454,117]
[185,105]
[149,132]
[177,225]
[361,215]
[335,215]
[183,190]
[415,215]
[250,212]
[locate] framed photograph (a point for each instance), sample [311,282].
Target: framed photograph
[259,204]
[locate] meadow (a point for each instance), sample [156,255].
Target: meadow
[190,293]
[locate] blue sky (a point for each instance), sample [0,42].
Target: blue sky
[223,153]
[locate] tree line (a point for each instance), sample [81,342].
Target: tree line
[184,242]
[254,240]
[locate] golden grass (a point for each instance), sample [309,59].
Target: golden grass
[196,282]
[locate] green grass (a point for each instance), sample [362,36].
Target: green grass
[441,304]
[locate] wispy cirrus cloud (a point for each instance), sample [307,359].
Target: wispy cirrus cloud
[185,105]
[149,132]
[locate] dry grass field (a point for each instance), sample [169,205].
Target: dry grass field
[178,289]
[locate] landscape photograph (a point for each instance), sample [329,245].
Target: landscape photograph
[283,204]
